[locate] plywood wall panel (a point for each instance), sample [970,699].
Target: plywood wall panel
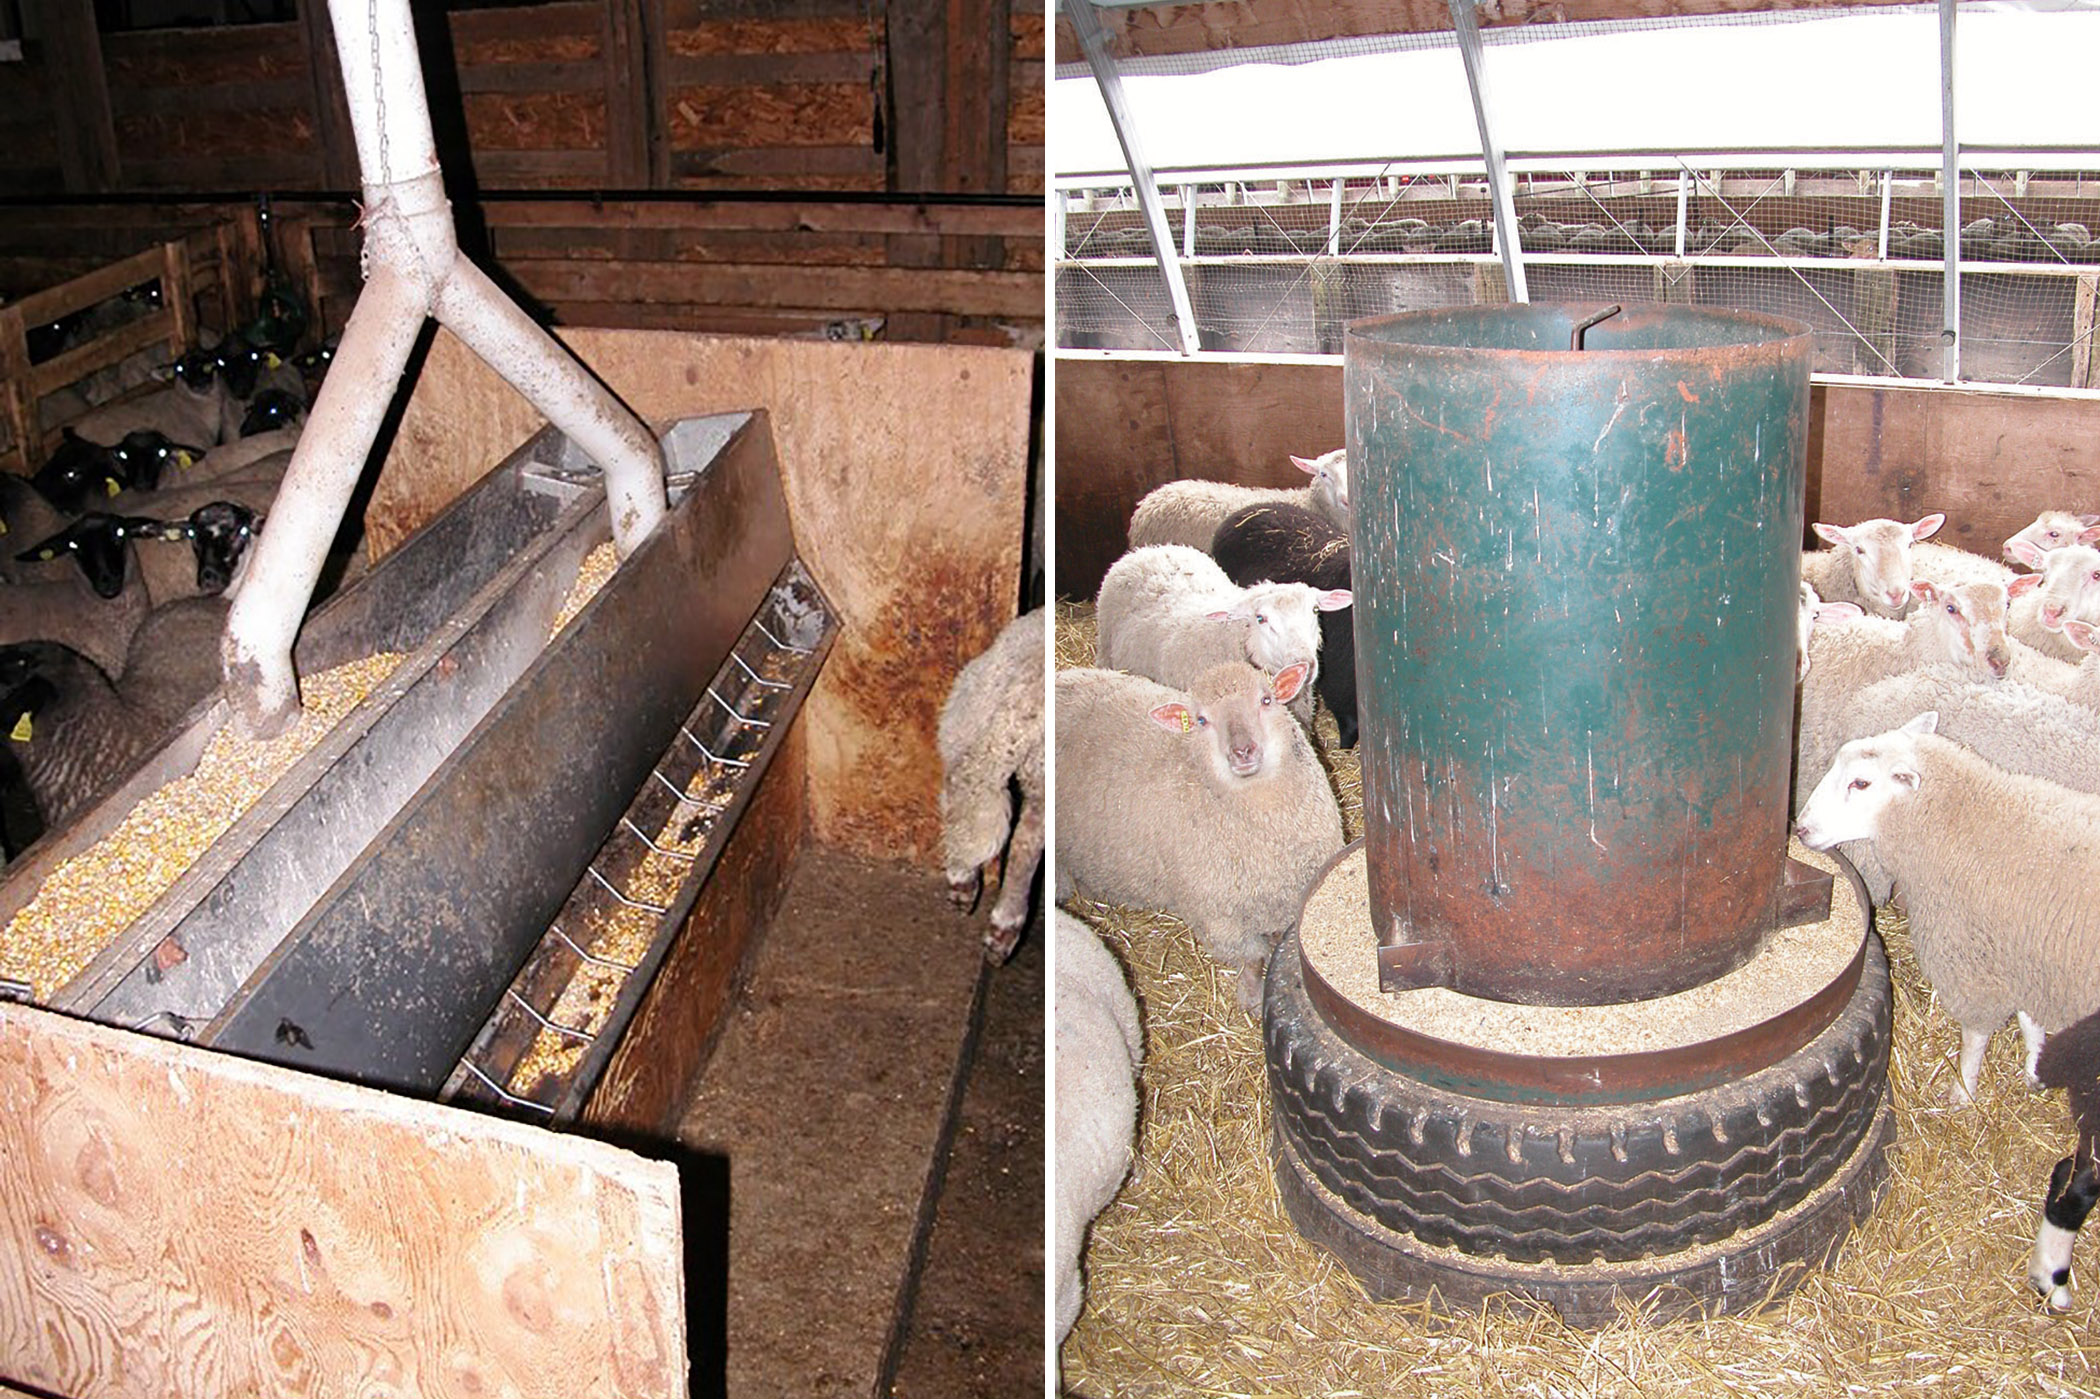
[905,471]
[177,1221]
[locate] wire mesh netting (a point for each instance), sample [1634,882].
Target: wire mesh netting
[1849,237]
[1858,255]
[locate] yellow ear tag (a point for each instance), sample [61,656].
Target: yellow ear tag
[3,527]
[22,730]
[47,554]
[1186,722]
[110,484]
[183,461]
[272,360]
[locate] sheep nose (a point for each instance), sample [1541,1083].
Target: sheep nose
[2053,618]
[1246,754]
[1801,831]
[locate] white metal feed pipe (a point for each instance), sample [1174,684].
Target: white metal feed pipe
[414,270]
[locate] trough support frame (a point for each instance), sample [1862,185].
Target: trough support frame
[1467,25]
[1950,204]
[415,270]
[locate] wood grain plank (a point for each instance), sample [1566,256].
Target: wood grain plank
[771,215]
[177,1221]
[953,291]
[79,106]
[905,471]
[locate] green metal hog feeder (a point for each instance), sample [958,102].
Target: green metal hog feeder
[1569,1022]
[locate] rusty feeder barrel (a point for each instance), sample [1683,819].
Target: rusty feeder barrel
[1575,655]
[1569,1022]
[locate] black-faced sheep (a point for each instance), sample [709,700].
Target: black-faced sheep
[991,736]
[1189,512]
[2070,1061]
[72,734]
[1291,544]
[1997,870]
[1209,804]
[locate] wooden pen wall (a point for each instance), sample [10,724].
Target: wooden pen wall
[917,125]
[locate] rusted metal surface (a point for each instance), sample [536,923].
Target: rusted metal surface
[1584,1080]
[1575,616]
[1805,896]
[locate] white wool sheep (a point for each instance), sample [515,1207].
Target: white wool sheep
[2067,587]
[1947,565]
[1168,612]
[1963,626]
[2051,530]
[1867,563]
[1208,804]
[2018,727]
[1100,1049]
[1189,512]
[990,735]
[1998,872]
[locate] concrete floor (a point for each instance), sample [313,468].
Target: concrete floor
[815,1139]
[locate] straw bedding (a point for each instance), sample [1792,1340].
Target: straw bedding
[1198,1285]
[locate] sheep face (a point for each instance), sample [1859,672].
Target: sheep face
[144,455]
[1869,776]
[272,409]
[1236,716]
[96,542]
[196,369]
[2069,584]
[239,364]
[1968,623]
[220,533]
[78,471]
[2051,530]
[1881,554]
[1282,621]
[1330,479]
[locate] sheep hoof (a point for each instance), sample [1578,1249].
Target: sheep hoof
[999,944]
[963,890]
[2060,1299]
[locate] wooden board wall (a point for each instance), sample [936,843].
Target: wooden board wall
[906,475]
[176,1221]
[1990,459]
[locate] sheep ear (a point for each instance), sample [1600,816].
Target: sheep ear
[1829,534]
[2024,584]
[1334,600]
[1838,611]
[1907,775]
[1925,723]
[1924,591]
[2025,551]
[1306,465]
[1290,680]
[1222,616]
[1173,716]
[2090,534]
[1928,526]
[2083,635]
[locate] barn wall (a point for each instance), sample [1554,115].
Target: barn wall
[1990,459]
[917,127]
[905,471]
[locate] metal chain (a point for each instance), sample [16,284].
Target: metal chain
[386,172]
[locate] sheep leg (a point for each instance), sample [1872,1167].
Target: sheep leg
[1010,914]
[1972,1047]
[2035,1036]
[2073,1187]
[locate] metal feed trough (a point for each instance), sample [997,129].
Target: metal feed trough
[368,916]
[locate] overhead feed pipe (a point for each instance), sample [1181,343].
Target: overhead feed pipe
[414,270]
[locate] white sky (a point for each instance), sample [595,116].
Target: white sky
[1857,80]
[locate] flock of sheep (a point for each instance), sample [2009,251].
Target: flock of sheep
[1949,742]
[123,551]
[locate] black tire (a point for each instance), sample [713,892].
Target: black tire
[1604,1184]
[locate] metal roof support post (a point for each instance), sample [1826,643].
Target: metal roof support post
[1950,203]
[1499,188]
[1094,44]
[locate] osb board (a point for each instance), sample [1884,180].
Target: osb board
[905,468]
[645,1085]
[528,121]
[789,114]
[174,1221]
[1990,460]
